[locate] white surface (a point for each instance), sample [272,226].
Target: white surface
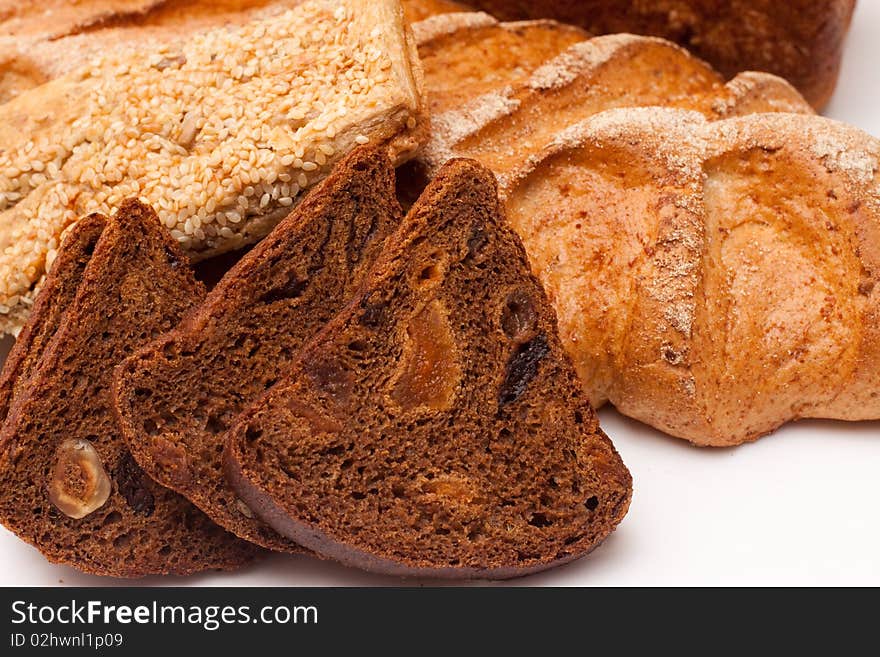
[799,507]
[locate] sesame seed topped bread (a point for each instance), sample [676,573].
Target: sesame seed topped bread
[712,279]
[39,44]
[68,484]
[177,396]
[222,135]
[504,118]
[799,40]
[436,427]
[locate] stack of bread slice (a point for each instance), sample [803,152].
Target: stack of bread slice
[387,391]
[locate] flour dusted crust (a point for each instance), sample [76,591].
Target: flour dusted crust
[226,140]
[505,112]
[712,279]
[800,40]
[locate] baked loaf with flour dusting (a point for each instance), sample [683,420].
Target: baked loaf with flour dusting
[502,109]
[712,279]
[436,426]
[800,40]
[219,137]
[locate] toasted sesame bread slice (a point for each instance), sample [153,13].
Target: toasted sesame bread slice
[237,137]
[177,396]
[712,279]
[68,484]
[505,127]
[436,426]
[59,290]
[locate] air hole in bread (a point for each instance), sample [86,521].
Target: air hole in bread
[592,503]
[540,520]
[215,424]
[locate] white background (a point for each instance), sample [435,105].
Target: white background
[800,507]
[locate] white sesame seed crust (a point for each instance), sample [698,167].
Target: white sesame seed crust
[221,135]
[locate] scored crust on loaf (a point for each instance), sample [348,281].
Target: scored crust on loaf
[436,427]
[220,138]
[61,450]
[59,290]
[511,120]
[712,279]
[800,40]
[465,55]
[177,396]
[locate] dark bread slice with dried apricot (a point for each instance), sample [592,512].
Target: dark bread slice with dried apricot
[56,296]
[68,484]
[177,397]
[436,427]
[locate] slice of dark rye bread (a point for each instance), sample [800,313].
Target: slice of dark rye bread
[177,397]
[56,296]
[436,426]
[61,447]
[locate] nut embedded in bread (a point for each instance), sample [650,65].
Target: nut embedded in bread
[68,484]
[436,426]
[712,279]
[177,396]
[222,135]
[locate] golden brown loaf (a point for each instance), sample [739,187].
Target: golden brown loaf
[712,279]
[502,110]
[435,427]
[800,40]
[220,137]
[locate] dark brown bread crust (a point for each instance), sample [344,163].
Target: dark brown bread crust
[436,427]
[177,396]
[136,286]
[57,294]
[800,40]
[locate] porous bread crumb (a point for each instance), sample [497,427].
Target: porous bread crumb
[220,135]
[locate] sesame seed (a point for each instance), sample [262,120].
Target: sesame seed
[194,131]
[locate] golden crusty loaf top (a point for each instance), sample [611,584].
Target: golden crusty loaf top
[221,133]
[712,279]
[800,40]
[502,110]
